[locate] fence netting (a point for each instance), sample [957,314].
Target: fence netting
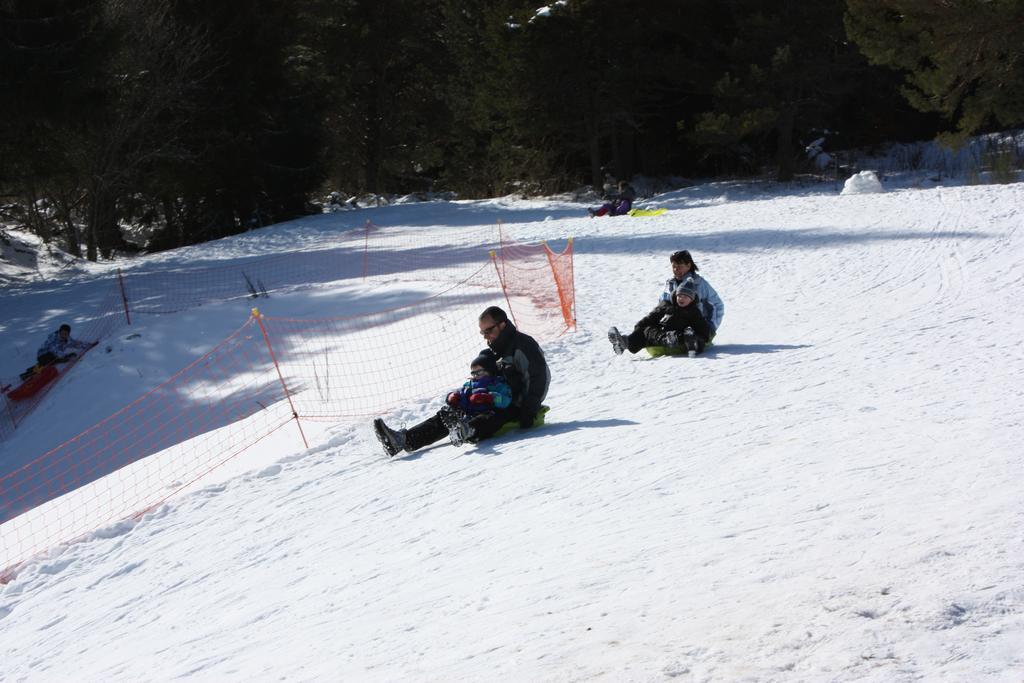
[274,372]
[428,254]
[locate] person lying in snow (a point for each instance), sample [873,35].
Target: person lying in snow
[678,323]
[472,413]
[59,347]
[618,204]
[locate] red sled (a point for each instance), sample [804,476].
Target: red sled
[34,384]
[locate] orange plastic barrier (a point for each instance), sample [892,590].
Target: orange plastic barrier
[544,277]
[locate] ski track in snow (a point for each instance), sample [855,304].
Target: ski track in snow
[831,493]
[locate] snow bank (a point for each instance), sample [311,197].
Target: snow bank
[865,182]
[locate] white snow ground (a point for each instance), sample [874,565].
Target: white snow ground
[832,493]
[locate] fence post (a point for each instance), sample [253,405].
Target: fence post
[572,280]
[266,337]
[9,409]
[366,247]
[124,297]
[504,290]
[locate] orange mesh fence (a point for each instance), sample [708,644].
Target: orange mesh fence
[231,396]
[427,253]
[363,365]
[276,370]
[543,277]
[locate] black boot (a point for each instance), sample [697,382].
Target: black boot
[619,342]
[459,429]
[392,440]
[690,342]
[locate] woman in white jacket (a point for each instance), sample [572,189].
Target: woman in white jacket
[60,347]
[711,305]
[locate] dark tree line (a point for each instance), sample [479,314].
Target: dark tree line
[198,120]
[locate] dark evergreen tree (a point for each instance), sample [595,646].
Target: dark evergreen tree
[589,88]
[670,66]
[148,105]
[488,147]
[252,149]
[961,58]
[787,64]
[384,65]
[202,120]
[579,81]
[52,55]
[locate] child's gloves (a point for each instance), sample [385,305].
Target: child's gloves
[453,399]
[482,398]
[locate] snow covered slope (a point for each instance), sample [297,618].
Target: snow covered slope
[831,493]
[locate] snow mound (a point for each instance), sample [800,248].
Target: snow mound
[865,182]
[25,257]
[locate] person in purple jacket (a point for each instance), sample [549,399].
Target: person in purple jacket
[618,204]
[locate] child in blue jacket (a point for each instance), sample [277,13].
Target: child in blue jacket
[474,412]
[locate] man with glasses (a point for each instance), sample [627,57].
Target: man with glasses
[521,361]
[511,358]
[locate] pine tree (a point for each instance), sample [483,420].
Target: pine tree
[961,58]
[786,64]
[52,55]
[251,151]
[489,145]
[383,63]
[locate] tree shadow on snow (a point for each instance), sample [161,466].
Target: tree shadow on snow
[747,349]
[757,239]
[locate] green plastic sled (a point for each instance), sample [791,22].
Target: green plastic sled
[658,351]
[537,422]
